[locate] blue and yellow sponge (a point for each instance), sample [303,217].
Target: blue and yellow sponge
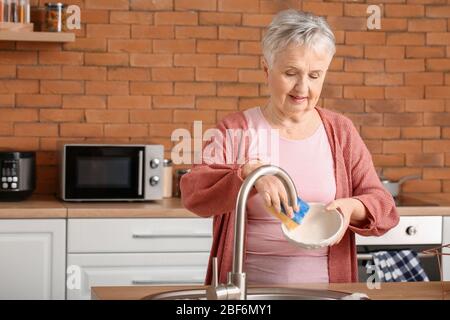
[293,222]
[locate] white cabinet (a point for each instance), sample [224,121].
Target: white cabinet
[150,251]
[446,258]
[32,259]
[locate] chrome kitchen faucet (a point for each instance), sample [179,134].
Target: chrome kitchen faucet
[236,288]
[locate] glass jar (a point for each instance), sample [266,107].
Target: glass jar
[167,178]
[55,20]
[12,11]
[3,15]
[2,10]
[178,175]
[24,11]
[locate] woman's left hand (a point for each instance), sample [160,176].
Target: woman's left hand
[352,210]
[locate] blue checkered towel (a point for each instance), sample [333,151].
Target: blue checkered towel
[398,266]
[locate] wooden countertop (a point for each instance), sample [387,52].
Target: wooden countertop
[33,208]
[423,204]
[47,207]
[388,291]
[166,208]
[40,207]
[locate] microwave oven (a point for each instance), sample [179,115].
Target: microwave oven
[111,172]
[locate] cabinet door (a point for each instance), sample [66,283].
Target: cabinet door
[32,259]
[128,269]
[139,235]
[446,258]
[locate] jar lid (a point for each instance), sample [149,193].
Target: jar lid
[54,4]
[167,162]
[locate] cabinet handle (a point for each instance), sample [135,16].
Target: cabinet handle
[368,256]
[140,175]
[170,235]
[197,280]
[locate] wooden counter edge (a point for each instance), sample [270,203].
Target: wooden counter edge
[434,290]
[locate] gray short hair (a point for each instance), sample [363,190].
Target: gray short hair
[302,28]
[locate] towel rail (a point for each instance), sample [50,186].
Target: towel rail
[369,256]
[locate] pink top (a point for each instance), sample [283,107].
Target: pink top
[309,162]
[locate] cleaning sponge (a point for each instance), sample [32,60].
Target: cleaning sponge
[300,214]
[292,223]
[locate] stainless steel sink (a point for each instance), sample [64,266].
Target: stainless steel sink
[263,294]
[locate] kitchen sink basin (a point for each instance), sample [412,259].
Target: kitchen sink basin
[264,294]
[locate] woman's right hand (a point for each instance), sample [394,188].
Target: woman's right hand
[271,189]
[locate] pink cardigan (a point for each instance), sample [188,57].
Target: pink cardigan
[211,190]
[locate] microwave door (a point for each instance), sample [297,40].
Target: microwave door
[104,173]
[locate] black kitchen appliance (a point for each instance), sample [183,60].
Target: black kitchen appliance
[111,172]
[18,175]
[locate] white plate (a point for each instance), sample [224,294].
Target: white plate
[319,228]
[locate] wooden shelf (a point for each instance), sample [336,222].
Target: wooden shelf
[37,36]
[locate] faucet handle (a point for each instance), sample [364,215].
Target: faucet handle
[216,291]
[215,273]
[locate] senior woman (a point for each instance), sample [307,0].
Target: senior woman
[320,149]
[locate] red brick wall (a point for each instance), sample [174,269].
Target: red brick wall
[140,69]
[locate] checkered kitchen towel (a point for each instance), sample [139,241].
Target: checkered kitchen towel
[398,266]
